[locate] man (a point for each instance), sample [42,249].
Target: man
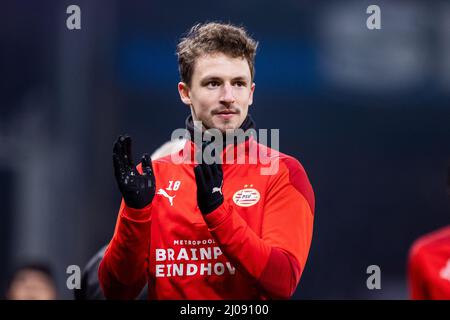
[429,264]
[194,229]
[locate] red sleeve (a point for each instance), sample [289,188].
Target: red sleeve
[416,283]
[123,270]
[275,260]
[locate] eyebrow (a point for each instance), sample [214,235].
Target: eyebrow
[215,78]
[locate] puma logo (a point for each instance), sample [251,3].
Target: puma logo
[218,189]
[164,194]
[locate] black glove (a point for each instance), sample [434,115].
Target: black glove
[137,190]
[209,178]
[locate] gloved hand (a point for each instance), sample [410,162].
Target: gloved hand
[137,190]
[209,178]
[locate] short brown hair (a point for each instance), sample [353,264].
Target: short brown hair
[214,37]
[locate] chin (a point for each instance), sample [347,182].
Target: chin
[227,126]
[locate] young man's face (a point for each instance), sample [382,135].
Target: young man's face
[220,92]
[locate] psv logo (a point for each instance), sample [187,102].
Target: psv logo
[246,197]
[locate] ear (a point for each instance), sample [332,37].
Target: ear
[252,89]
[184,91]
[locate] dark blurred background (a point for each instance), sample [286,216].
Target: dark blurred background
[367,112]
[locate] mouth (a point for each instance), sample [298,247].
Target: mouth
[226,114]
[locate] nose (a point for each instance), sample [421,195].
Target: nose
[227,94]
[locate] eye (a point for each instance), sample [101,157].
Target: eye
[240,84]
[213,84]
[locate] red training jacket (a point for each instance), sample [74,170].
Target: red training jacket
[254,246]
[429,266]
